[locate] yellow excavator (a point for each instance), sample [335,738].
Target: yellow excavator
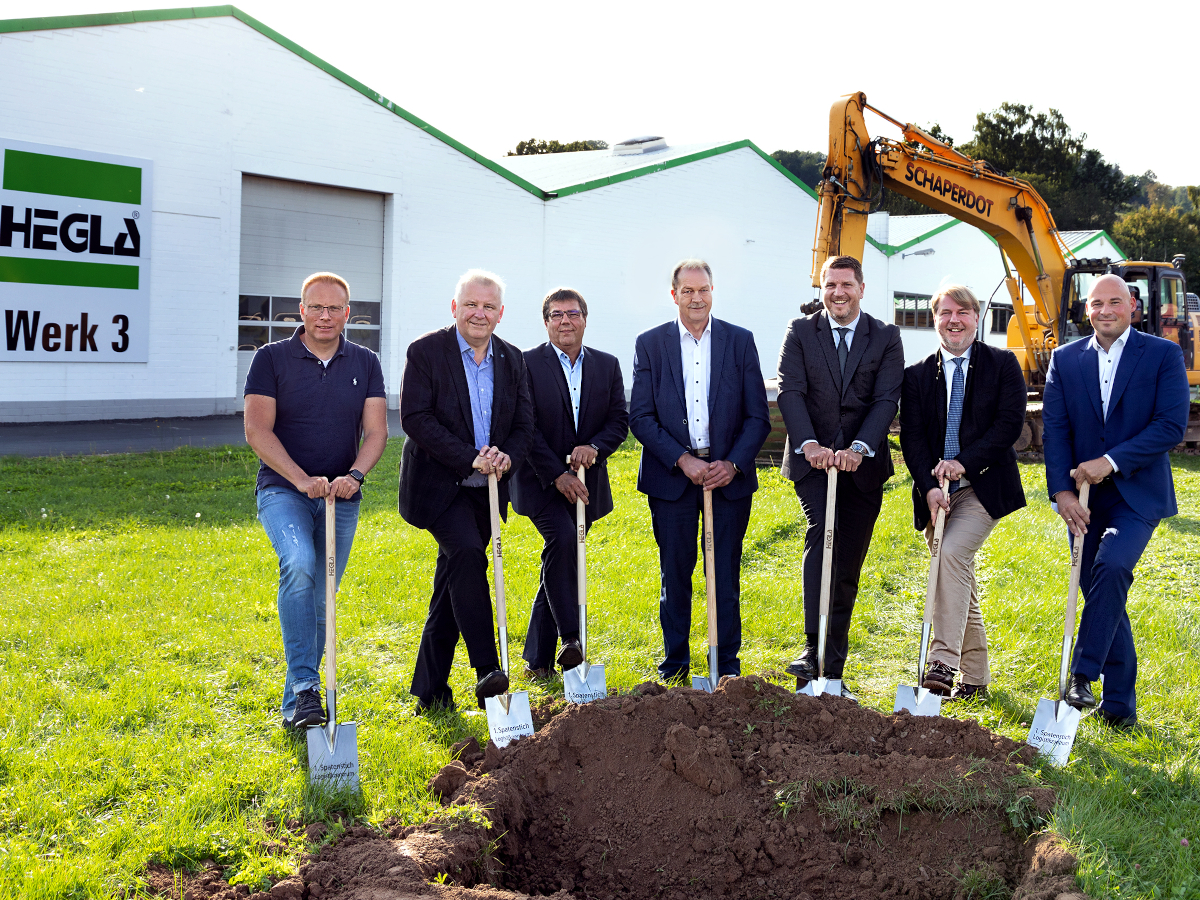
[859,167]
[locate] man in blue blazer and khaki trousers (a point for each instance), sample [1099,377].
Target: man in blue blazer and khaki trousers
[1115,405]
[699,409]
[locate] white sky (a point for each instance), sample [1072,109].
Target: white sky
[491,74]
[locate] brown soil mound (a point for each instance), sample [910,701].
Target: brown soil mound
[750,792]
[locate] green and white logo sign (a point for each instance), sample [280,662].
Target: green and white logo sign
[74,255]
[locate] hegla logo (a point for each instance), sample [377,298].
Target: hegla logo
[74,255]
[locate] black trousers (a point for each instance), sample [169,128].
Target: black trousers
[461,602]
[555,610]
[676,523]
[855,513]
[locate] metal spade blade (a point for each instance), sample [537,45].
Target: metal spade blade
[509,717]
[1054,728]
[916,699]
[584,683]
[819,686]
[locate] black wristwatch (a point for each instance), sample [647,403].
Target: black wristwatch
[358,476]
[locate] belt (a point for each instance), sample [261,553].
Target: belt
[699,452]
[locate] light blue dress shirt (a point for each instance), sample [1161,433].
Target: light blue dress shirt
[574,376]
[481,380]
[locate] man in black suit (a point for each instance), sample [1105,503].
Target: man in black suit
[699,408]
[961,411]
[838,393]
[466,410]
[579,411]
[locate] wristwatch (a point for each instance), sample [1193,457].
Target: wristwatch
[860,448]
[594,447]
[358,476]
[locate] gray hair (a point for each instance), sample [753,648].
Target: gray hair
[695,264]
[479,276]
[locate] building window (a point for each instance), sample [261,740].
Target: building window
[263,320]
[912,310]
[1000,318]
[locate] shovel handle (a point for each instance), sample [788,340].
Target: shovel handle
[710,575]
[935,558]
[831,475]
[330,604]
[581,562]
[498,565]
[1064,665]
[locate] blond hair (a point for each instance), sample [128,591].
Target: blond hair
[324,278]
[957,293]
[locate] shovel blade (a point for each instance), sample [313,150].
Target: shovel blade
[336,761]
[703,683]
[511,720]
[917,700]
[819,686]
[582,686]
[1053,730]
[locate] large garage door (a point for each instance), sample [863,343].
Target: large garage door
[291,229]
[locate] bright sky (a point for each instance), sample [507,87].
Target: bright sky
[491,74]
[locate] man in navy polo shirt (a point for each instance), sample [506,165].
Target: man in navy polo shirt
[316,416]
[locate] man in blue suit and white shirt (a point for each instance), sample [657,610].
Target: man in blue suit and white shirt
[1115,404]
[699,409]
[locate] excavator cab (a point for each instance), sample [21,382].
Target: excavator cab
[1159,289]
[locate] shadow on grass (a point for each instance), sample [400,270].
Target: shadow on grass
[1183,524]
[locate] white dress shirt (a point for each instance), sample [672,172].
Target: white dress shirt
[574,376]
[697,366]
[1107,371]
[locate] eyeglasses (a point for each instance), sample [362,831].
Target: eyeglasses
[573,314]
[704,292]
[332,310]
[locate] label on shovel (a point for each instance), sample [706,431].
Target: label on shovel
[581,689]
[506,725]
[1053,735]
[337,761]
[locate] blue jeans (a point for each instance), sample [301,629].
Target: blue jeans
[295,524]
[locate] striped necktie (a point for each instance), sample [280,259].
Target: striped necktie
[954,414]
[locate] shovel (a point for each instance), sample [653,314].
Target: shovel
[822,685]
[508,714]
[1055,723]
[700,682]
[332,748]
[585,682]
[918,700]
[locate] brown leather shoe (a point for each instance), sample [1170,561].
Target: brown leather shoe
[939,678]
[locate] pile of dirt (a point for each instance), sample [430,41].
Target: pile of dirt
[750,792]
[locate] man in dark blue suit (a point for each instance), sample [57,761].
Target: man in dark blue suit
[579,411]
[699,409]
[1115,404]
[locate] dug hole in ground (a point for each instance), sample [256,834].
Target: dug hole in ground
[749,792]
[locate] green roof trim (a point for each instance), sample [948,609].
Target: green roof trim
[618,177]
[1095,237]
[208,12]
[48,23]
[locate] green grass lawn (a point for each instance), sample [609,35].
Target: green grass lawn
[140,665]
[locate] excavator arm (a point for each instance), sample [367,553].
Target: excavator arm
[935,174]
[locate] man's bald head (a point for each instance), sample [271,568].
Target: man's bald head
[1110,308]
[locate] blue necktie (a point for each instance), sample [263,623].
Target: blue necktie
[954,414]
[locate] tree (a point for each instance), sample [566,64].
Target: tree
[533,147]
[806,165]
[1156,233]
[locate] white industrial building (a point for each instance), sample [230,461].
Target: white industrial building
[239,163]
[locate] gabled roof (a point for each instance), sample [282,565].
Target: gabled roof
[1078,240]
[908,231]
[585,181]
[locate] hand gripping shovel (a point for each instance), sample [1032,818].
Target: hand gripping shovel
[332,748]
[700,682]
[918,700]
[822,685]
[585,682]
[1055,723]
[508,714]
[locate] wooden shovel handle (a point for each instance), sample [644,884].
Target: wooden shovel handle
[710,575]
[831,475]
[330,594]
[935,557]
[497,551]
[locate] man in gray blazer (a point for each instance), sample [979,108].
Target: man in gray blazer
[840,375]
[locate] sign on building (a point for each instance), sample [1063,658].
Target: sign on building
[74,255]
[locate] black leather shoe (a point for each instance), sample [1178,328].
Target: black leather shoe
[964,691]
[846,693]
[679,676]
[804,666]
[1117,723]
[1079,693]
[570,655]
[491,685]
[435,706]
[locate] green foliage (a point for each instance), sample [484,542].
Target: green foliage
[533,147]
[1156,233]
[983,883]
[806,165]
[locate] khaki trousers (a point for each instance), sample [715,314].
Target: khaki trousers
[959,640]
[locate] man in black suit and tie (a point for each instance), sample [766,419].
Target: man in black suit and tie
[579,411]
[466,410]
[699,408]
[961,411]
[838,393]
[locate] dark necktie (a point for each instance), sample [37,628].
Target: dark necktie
[843,350]
[954,414]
